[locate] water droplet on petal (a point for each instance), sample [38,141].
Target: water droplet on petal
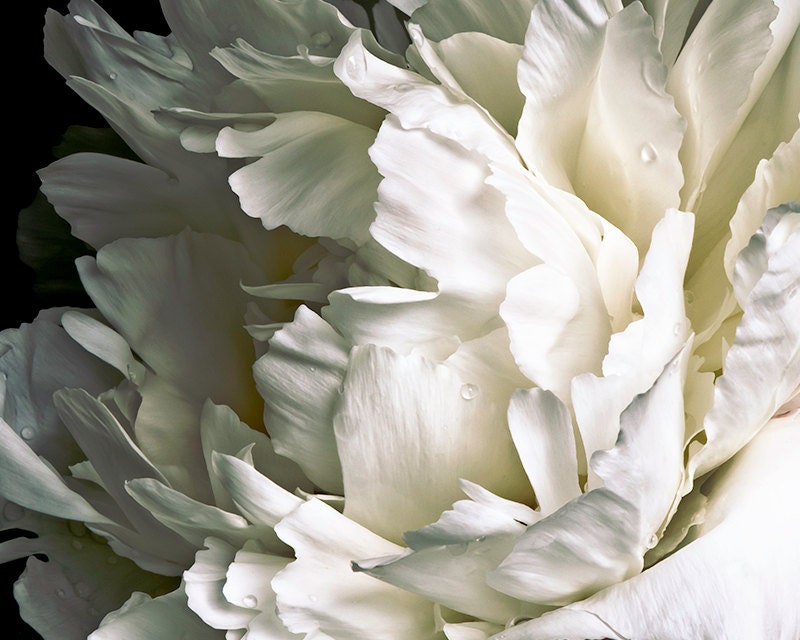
[648,153]
[652,541]
[302,51]
[77,545]
[312,598]
[250,601]
[321,39]
[356,66]
[676,329]
[61,593]
[13,512]
[312,369]
[480,538]
[76,528]
[112,75]
[27,433]
[83,589]
[688,296]
[469,391]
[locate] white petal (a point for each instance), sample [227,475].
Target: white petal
[299,83]
[337,174]
[449,559]
[320,594]
[762,367]
[598,120]
[143,618]
[45,348]
[419,104]
[738,580]
[204,582]
[541,427]
[301,376]
[221,431]
[671,20]
[600,537]
[405,431]
[459,235]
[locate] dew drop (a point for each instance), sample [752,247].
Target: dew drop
[77,545]
[312,369]
[688,296]
[250,601]
[112,75]
[652,541]
[83,589]
[312,598]
[676,329]
[356,66]
[321,39]
[61,593]
[648,153]
[302,51]
[76,528]
[469,391]
[480,538]
[13,512]
[27,433]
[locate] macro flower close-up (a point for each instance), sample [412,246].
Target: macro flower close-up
[413,320]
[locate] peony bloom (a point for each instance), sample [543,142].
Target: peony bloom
[497,338]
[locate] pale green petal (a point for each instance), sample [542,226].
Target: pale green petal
[281,84]
[337,174]
[38,359]
[405,431]
[502,19]
[222,432]
[319,594]
[162,618]
[301,376]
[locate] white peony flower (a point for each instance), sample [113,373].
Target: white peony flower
[544,380]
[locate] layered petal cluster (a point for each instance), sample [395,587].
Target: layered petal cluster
[491,332]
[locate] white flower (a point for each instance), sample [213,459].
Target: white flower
[545,382]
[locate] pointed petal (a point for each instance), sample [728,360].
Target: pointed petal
[342,604]
[301,375]
[600,537]
[541,428]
